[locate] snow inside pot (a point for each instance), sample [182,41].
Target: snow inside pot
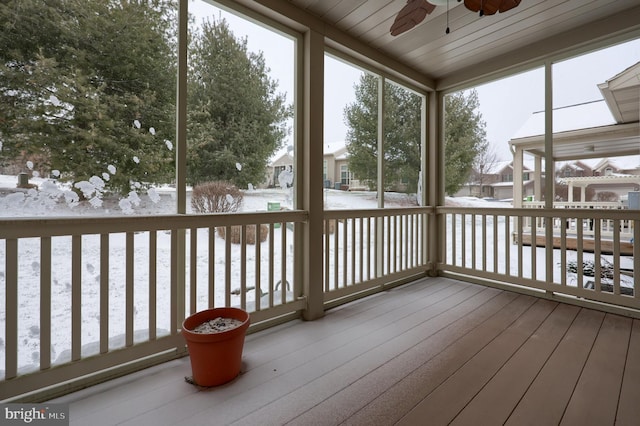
[215,338]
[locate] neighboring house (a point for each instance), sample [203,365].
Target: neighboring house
[608,179]
[496,182]
[573,169]
[335,168]
[282,163]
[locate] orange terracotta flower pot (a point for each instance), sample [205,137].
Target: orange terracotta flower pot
[216,358]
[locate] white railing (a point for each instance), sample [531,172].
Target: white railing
[84,295]
[367,249]
[495,247]
[576,205]
[607,227]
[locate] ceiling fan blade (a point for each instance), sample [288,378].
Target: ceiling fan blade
[490,7]
[411,15]
[508,5]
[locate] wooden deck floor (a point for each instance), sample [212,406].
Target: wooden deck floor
[433,352]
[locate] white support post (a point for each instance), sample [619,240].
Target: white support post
[435,181]
[537,179]
[518,169]
[311,180]
[181,162]
[549,190]
[380,175]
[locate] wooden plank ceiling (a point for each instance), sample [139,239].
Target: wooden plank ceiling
[477,45]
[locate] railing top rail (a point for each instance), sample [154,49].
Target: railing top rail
[560,213]
[577,204]
[379,212]
[49,227]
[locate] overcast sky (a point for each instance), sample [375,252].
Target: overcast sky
[505,105]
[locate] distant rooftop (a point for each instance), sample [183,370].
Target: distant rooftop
[573,117]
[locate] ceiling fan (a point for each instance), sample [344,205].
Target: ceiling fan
[415,11]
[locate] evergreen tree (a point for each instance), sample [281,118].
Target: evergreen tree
[465,138]
[464,129]
[236,119]
[402,134]
[88,88]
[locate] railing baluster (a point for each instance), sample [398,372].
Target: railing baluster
[370,240]
[45,303]
[580,239]
[193,270]
[563,253]
[104,292]
[76,297]
[129,283]
[454,239]
[243,263]
[345,269]
[153,284]
[227,266]
[636,258]
[258,264]
[327,251]
[596,256]
[534,246]
[508,220]
[463,242]
[356,250]
[616,256]
[11,306]
[272,262]
[283,265]
[336,256]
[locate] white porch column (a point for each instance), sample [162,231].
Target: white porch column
[583,194]
[549,165]
[570,193]
[434,183]
[310,185]
[178,262]
[380,177]
[518,166]
[537,178]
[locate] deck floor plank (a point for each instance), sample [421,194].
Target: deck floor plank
[387,349]
[495,402]
[404,395]
[549,393]
[354,397]
[595,399]
[468,380]
[629,405]
[437,350]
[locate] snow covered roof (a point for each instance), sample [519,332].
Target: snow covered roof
[499,166]
[337,148]
[572,117]
[607,127]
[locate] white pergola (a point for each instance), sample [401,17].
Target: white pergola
[585,181]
